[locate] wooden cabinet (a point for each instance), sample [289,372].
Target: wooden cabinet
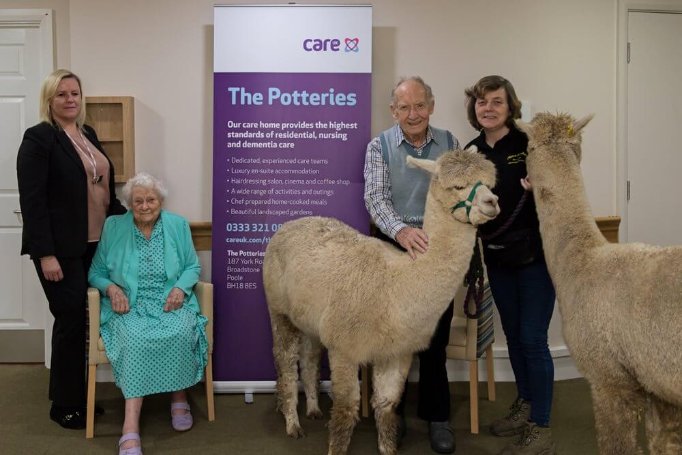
[113,119]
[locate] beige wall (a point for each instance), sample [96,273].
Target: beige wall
[561,56]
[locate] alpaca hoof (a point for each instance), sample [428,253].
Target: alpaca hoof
[295,432]
[314,414]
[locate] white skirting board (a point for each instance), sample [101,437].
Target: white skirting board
[564,368]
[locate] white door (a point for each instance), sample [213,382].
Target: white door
[25,60]
[654,153]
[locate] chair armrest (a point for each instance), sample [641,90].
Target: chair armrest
[93,319]
[204,293]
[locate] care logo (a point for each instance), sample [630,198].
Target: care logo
[331,45]
[352,44]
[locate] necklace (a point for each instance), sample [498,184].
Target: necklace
[90,156]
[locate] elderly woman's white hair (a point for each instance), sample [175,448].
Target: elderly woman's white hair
[143,180]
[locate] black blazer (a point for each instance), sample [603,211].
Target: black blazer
[53,193]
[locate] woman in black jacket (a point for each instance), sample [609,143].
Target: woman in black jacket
[66,190]
[519,280]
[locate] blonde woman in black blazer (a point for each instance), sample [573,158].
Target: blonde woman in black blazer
[66,190]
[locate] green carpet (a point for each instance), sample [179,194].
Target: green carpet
[256,428]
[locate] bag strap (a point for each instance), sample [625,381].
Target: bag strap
[509,221]
[473,280]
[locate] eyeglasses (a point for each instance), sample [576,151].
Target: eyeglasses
[141,202]
[419,108]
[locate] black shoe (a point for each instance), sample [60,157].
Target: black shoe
[99,410]
[71,418]
[442,437]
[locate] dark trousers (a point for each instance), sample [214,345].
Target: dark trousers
[434,391]
[67,302]
[525,300]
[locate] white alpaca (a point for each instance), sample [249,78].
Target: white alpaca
[621,304]
[366,301]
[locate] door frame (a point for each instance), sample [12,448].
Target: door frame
[20,333]
[624,8]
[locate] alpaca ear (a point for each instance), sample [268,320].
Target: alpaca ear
[427,165]
[580,124]
[472,149]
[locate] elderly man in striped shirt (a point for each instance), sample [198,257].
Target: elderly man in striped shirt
[395,196]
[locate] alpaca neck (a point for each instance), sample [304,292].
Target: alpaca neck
[568,229]
[436,274]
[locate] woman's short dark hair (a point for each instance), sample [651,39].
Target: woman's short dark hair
[483,87]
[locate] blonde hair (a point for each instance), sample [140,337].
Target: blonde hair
[143,180]
[48,90]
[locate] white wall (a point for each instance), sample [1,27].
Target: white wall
[560,55]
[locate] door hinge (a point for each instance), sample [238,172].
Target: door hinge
[628,190]
[628,52]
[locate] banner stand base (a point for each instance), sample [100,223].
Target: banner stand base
[251,387]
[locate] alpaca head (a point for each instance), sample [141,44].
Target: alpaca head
[554,151]
[558,132]
[461,182]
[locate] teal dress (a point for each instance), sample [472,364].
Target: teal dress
[150,350]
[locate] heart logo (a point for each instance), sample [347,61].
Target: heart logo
[352,44]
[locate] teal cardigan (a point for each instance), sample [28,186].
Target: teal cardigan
[117,260]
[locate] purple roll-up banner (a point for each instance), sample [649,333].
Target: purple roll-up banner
[292,114]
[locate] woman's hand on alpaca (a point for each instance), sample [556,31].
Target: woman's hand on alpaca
[52,271]
[414,240]
[525,183]
[175,299]
[118,298]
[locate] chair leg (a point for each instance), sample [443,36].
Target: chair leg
[364,391]
[490,366]
[210,403]
[90,404]
[473,395]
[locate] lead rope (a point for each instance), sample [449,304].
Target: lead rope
[473,280]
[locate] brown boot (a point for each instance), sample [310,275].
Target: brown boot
[514,422]
[535,440]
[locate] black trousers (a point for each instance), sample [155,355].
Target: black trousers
[434,391]
[67,300]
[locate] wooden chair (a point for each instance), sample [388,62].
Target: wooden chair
[97,356]
[469,339]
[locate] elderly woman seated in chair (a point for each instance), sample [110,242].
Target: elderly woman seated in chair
[145,268]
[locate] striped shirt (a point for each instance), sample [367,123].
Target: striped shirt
[378,196]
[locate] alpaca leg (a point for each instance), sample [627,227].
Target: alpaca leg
[388,378]
[285,347]
[346,392]
[615,414]
[663,427]
[311,349]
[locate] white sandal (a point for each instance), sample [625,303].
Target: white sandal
[181,422]
[137,450]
